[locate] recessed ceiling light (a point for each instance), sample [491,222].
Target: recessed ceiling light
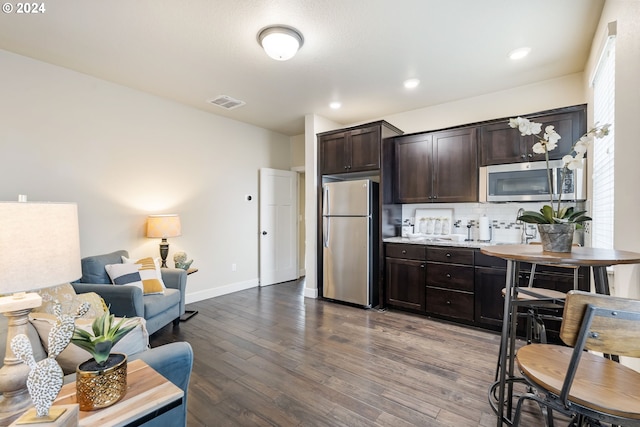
[335,105]
[519,53]
[411,83]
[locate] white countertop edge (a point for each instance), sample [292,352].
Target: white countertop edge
[439,242]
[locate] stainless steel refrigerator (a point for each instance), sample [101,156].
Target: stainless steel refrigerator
[350,239]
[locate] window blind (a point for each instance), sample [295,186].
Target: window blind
[603,150]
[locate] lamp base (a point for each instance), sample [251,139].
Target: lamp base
[164,251]
[13,374]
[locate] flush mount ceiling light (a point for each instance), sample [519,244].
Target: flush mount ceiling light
[280,42]
[335,105]
[411,83]
[519,53]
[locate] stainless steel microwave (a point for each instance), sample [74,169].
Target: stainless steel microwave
[528,182]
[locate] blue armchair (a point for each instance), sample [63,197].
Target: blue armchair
[128,301]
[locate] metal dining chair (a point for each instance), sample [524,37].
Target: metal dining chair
[578,383]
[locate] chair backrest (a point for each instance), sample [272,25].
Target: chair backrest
[614,323]
[93,270]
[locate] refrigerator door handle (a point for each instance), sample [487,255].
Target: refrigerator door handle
[325,201]
[325,232]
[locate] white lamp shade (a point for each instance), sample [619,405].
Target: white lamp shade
[163,226]
[39,245]
[280,42]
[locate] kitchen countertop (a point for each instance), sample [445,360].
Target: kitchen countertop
[474,244]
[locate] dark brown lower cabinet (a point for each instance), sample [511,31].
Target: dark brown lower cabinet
[450,288]
[405,283]
[405,273]
[463,285]
[489,302]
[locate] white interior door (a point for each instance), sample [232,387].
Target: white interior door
[278,226]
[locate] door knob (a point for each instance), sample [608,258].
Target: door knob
[264,233]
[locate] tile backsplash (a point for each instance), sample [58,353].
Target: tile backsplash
[502,219]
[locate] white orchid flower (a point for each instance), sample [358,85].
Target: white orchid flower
[552,136]
[539,148]
[514,123]
[580,147]
[572,163]
[603,131]
[525,126]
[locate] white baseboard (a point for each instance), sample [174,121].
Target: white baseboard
[221,290]
[311,293]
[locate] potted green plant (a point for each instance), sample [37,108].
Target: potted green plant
[102,380]
[556,224]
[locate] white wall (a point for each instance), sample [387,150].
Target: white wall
[545,95]
[122,154]
[313,125]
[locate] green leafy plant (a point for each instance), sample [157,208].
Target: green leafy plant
[105,335]
[547,142]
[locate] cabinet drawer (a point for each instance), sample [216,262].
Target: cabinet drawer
[450,303]
[453,255]
[482,260]
[450,276]
[394,250]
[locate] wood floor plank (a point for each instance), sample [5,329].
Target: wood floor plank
[270,357]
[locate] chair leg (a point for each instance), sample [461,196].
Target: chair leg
[545,406]
[516,416]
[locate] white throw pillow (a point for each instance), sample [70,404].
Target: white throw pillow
[150,273]
[125,274]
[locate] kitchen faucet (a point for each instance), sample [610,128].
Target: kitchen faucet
[525,237]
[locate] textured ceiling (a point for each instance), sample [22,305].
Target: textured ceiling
[356,51]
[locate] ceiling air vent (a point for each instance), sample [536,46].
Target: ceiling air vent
[226,102]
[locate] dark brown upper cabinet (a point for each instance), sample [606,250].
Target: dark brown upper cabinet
[354,150]
[437,167]
[500,144]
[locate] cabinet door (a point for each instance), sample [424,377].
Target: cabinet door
[500,144]
[489,302]
[405,281]
[568,125]
[413,183]
[455,166]
[364,147]
[332,153]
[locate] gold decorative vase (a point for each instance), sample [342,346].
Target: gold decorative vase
[556,237]
[98,387]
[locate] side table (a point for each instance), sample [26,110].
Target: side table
[149,394]
[188,314]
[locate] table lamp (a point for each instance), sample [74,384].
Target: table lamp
[163,226]
[39,248]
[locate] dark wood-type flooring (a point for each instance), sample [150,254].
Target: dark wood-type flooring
[270,357]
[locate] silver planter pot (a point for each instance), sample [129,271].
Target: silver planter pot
[556,237]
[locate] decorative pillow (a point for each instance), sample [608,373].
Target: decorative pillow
[125,274]
[70,301]
[150,273]
[135,341]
